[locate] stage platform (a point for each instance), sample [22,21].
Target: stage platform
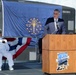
[25,68]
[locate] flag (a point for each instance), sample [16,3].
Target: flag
[26,19]
[18,45]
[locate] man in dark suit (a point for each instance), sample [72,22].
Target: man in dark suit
[55,25]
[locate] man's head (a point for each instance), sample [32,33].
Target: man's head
[56,13]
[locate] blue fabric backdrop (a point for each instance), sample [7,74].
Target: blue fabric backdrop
[17,15]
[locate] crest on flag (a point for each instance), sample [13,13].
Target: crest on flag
[33,26]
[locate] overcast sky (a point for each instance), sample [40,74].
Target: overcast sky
[70,3]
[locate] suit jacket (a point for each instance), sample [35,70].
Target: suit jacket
[50,27]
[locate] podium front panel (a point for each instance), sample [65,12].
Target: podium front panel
[59,54]
[66,65]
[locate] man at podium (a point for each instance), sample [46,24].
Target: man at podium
[55,25]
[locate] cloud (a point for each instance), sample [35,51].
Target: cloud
[69,3]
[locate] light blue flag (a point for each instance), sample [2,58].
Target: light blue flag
[26,19]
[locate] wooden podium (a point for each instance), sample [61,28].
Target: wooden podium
[54,46]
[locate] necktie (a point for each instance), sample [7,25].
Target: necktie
[55,22]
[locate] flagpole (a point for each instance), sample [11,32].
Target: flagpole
[2,19]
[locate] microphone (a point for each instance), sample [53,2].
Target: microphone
[57,24]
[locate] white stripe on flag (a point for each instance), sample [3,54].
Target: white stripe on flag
[24,40]
[12,43]
[2,18]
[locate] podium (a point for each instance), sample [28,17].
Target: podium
[59,54]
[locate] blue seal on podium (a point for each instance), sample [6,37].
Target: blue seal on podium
[62,61]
